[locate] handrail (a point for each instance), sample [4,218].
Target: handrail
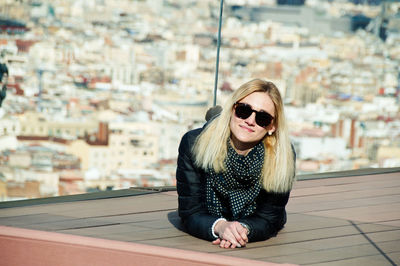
[218,48]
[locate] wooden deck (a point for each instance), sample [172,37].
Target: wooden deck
[349,220]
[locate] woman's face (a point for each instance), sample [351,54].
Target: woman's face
[246,133]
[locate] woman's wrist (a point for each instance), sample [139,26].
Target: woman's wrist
[213,231]
[246,227]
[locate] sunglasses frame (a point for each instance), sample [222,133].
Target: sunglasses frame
[269,118]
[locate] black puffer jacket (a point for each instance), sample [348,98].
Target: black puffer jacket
[268,219]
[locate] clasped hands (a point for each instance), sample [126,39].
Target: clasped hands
[231,234]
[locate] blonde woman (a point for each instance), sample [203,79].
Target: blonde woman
[235,174]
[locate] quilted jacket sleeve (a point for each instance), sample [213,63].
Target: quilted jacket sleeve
[190,185]
[269,217]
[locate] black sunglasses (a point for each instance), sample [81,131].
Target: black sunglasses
[243,111]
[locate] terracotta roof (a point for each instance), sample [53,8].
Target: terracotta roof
[342,218]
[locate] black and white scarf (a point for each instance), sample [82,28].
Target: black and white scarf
[238,186]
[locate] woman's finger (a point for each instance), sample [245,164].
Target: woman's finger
[243,234]
[216,241]
[237,231]
[227,244]
[222,243]
[242,231]
[229,236]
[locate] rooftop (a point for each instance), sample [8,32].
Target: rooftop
[339,218]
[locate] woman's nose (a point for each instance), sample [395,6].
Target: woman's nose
[251,120]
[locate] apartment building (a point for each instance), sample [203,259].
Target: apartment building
[131,146]
[35,124]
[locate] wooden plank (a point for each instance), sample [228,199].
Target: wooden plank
[332,185]
[364,213]
[261,253]
[350,194]
[146,234]
[329,255]
[372,227]
[171,242]
[103,230]
[301,222]
[31,219]
[304,236]
[332,242]
[372,260]
[385,236]
[68,224]
[395,223]
[117,206]
[301,204]
[390,246]
[395,257]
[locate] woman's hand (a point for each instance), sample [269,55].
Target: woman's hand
[231,234]
[223,243]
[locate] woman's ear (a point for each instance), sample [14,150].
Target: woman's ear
[271,130]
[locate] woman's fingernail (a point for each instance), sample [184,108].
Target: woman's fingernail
[238,246]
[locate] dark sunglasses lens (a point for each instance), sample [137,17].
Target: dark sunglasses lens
[263,119]
[243,111]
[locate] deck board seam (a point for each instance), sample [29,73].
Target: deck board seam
[131,213]
[343,259]
[373,244]
[84,227]
[331,227]
[344,208]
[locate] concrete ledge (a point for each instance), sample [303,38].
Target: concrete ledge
[347,173]
[30,247]
[78,197]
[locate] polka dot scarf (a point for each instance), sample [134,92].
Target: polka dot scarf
[238,186]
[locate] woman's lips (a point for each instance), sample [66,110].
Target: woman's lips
[246,128]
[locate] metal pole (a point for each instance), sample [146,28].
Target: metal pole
[218,47]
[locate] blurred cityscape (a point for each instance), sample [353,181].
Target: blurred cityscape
[99,92]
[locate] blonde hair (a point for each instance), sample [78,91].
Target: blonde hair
[210,149]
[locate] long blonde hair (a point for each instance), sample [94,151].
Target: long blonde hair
[210,148]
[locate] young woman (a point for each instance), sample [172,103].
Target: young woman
[235,174]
